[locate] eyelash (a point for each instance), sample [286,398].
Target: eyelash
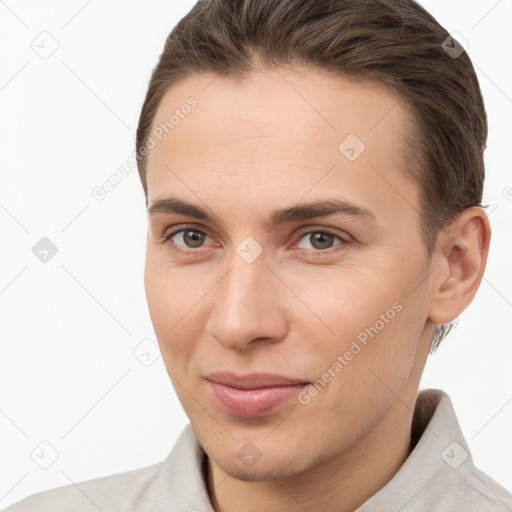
[323,231]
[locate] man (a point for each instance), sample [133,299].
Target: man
[313,172]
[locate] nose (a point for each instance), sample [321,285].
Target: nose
[249,307]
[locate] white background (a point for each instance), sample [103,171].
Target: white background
[69,326]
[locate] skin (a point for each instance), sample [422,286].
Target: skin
[247,149]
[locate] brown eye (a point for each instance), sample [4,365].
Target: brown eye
[193,239]
[320,240]
[186,238]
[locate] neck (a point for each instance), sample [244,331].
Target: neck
[342,483]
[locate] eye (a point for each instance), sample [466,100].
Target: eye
[187,237]
[321,240]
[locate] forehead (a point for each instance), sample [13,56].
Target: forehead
[281,128]
[305,103]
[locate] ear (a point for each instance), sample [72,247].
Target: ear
[461,256]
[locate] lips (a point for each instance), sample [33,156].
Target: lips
[254,394]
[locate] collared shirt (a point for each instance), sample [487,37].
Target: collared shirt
[438,476]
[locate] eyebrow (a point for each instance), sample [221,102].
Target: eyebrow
[319,208]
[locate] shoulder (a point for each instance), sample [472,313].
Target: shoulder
[122,492]
[492,494]
[468,489]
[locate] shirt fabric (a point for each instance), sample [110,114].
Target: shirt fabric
[438,476]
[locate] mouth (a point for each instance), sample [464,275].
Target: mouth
[254,394]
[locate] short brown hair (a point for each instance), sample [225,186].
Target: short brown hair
[391,41]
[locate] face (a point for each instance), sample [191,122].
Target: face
[284,239]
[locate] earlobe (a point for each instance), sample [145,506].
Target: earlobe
[462,256]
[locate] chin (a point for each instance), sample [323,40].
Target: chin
[281,453]
[276,462]
[280,466]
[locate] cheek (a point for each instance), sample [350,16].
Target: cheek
[373,318]
[170,296]
[341,304]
